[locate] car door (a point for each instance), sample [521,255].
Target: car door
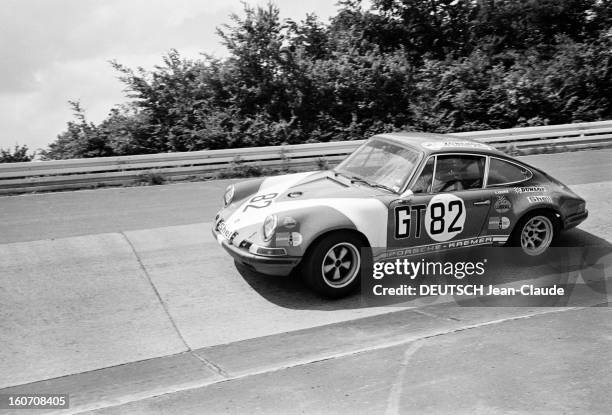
[449,206]
[505,179]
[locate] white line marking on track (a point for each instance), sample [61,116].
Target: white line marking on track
[395,395]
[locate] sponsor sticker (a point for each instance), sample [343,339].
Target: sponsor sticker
[502,204]
[224,230]
[289,239]
[530,189]
[499,222]
[539,199]
[441,246]
[502,192]
[296,239]
[437,145]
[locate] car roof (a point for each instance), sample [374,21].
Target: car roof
[431,143]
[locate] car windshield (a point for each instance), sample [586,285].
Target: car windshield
[381,163]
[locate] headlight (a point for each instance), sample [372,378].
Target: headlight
[269,227]
[229,194]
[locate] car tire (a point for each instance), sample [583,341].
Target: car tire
[534,233]
[332,266]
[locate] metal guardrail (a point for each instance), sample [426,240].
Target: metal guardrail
[79,173]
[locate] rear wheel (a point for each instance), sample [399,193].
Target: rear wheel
[534,234]
[332,266]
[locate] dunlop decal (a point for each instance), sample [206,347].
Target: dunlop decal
[530,189]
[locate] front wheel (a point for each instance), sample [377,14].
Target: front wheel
[534,234]
[332,267]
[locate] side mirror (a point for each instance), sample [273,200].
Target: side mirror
[407,195]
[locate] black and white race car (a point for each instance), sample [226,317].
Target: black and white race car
[395,191]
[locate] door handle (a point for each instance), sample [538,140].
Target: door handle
[482,202]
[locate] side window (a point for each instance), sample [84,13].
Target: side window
[502,172]
[458,172]
[423,183]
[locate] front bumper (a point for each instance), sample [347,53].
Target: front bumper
[263,264]
[575,219]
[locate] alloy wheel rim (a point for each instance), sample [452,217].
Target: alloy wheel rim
[536,235]
[340,265]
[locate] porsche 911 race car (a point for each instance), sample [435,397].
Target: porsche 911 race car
[396,191]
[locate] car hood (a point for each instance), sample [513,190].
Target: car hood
[317,185]
[287,193]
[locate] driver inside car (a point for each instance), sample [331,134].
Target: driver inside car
[458,173]
[448,175]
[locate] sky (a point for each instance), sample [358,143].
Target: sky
[53,51]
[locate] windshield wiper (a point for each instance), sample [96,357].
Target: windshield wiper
[380,186]
[337,173]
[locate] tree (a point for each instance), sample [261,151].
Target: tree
[18,154]
[435,65]
[81,139]
[432,29]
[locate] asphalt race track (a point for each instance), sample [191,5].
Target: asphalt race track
[74,213]
[122,298]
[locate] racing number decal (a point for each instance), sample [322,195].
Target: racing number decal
[438,217]
[443,220]
[260,201]
[436,222]
[444,217]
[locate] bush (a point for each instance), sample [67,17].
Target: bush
[18,154]
[151,178]
[238,169]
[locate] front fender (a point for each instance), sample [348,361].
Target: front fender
[311,223]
